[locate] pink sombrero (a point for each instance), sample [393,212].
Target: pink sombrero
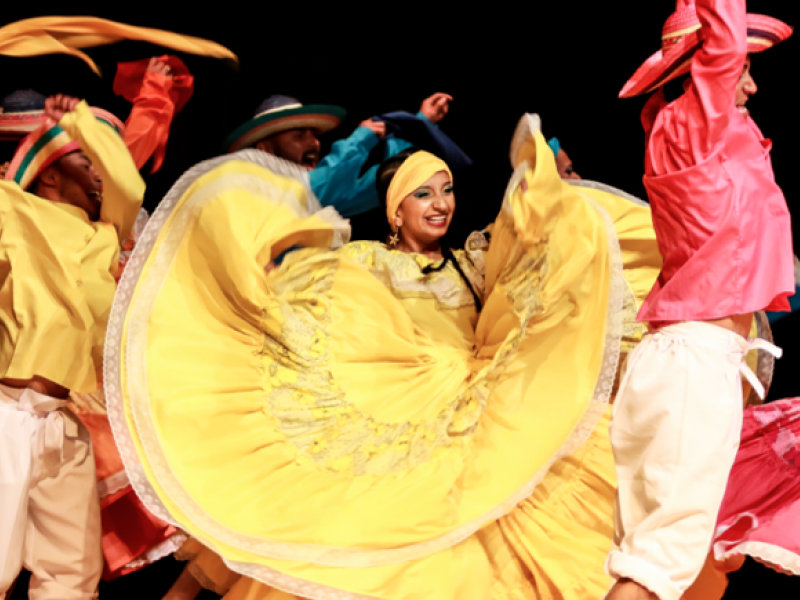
[681,37]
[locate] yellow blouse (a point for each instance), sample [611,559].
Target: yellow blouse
[439,303]
[57,267]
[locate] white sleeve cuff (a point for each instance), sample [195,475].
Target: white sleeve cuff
[625,566]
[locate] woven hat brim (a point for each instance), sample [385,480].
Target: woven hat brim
[763,32]
[320,117]
[15,126]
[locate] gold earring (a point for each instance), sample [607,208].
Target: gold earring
[394,238]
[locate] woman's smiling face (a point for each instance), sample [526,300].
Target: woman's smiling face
[425,215]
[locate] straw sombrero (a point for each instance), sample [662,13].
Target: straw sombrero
[282,113]
[20,113]
[681,37]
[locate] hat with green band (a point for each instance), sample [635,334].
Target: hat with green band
[282,113]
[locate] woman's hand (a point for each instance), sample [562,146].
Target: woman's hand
[435,107]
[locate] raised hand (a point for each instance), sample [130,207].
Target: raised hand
[162,68]
[57,106]
[376,127]
[435,107]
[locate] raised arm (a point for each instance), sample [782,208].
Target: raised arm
[337,181]
[716,68]
[147,127]
[123,187]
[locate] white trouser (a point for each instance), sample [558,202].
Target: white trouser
[675,432]
[49,508]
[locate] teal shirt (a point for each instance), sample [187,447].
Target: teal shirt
[337,181]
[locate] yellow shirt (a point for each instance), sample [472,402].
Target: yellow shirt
[57,267]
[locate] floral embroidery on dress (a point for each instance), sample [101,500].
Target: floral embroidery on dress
[402,274]
[313,412]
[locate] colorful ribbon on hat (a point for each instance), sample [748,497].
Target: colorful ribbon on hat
[42,147]
[412,174]
[64,35]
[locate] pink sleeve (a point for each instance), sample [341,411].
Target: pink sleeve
[147,127]
[716,69]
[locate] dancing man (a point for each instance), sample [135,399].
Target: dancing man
[724,232]
[63,217]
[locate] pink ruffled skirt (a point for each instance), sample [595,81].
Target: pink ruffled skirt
[760,514]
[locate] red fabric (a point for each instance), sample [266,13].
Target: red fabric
[762,500]
[721,221]
[156,100]
[107,460]
[129,530]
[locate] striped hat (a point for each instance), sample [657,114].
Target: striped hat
[681,38]
[47,144]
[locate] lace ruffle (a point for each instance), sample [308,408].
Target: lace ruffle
[776,558]
[113,484]
[596,185]
[169,546]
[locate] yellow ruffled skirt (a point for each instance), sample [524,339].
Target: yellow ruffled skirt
[552,546]
[300,425]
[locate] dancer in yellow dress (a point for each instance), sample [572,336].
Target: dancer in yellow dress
[348,424]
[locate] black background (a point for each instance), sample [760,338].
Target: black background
[566,61]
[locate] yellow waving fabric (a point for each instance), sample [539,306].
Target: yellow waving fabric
[64,35]
[304,426]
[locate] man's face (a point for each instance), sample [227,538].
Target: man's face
[745,88]
[564,165]
[299,146]
[80,184]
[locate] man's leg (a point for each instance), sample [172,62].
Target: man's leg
[675,433]
[16,432]
[63,548]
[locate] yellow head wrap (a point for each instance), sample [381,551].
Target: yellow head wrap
[415,171]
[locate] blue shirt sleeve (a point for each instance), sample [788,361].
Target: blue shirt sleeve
[337,181]
[395,145]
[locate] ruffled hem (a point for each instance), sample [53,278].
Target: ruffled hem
[113,485]
[775,557]
[758,517]
[169,546]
